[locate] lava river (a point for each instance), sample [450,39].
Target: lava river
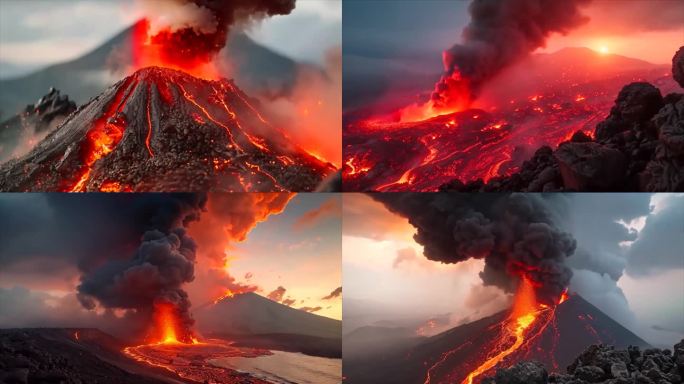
[186,356]
[527,321]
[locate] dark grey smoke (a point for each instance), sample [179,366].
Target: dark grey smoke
[131,249]
[202,39]
[153,276]
[514,234]
[500,33]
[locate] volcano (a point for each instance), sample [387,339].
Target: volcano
[554,338]
[165,130]
[255,321]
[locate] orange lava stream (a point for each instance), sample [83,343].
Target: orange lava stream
[103,138]
[280,130]
[523,315]
[257,142]
[148,139]
[191,99]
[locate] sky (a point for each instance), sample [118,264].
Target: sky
[37,33]
[628,263]
[410,30]
[48,242]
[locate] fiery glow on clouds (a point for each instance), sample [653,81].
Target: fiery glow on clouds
[282,252]
[382,263]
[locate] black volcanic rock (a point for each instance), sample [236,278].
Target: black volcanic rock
[604,364]
[665,171]
[164,130]
[678,66]
[639,147]
[67,356]
[527,372]
[34,121]
[590,166]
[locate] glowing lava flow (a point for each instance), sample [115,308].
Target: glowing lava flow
[523,315]
[106,133]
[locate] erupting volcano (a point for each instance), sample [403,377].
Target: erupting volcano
[164,130]
[550,334]
[497,101]
[173,124]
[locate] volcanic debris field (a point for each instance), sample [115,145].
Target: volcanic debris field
[638,147]
[71,356]
[603,364]
[164,130]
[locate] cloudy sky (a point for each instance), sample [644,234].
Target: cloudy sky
[48,241]
[36,33]
[420,30]
[628,263]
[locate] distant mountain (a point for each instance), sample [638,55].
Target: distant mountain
[256,69]
[451,355]
[389,84]
[252,314]
[374,340]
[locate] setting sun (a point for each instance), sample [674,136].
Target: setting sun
[603,50]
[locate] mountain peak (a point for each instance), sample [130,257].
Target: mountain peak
[164,130]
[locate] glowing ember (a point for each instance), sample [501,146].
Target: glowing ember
[226,295]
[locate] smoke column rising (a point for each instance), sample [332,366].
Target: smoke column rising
[154,275]
[514,234]
[194,31]
[500,33]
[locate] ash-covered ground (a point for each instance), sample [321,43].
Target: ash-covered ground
[603,364]
[70,356]
[164,130]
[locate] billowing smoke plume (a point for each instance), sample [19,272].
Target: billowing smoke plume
[500,33]
[154,275]
[514,234]
[196,30]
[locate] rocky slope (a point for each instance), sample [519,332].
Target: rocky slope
[164,130]
[606,365]
[21,131]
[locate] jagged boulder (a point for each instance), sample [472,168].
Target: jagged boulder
[590,166]
[678,66]
[665,172]
[526,372]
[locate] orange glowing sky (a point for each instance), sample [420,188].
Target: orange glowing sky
[650,30]
[298,249]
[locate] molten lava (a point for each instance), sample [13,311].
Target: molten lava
[522,316]
[166,323]
[445,139]
[182,50]
[525,325]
